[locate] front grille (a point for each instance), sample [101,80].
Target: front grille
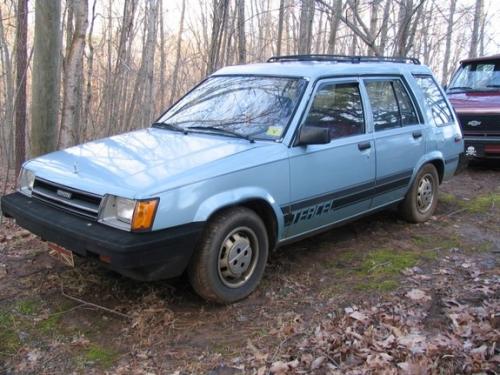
[66,198]
[480,124]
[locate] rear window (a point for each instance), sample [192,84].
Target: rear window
[440,112]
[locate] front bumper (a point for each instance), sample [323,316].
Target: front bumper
[141,256]
[482,147]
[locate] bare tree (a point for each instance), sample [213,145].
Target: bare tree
[408,19]
[281,17]
[335,15]
[87,104]
[385,27]
[175,74]
[219,19]
[45,81]
[142,97]
[305,26]
[242,44]
[474,42]
[73,76]
[21,70]
[449,33]
[8,94]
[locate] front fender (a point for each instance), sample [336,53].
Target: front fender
[237,196]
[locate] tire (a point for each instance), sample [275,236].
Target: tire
[229,262]
[422,198]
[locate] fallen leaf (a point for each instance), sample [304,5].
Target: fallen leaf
[417,295]
[356,315]
[317,363]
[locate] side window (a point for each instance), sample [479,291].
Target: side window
[384,104]
[391,104]
[338,107]
[408,114]
[439,110]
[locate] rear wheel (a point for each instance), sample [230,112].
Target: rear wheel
[421,200]
[230,260]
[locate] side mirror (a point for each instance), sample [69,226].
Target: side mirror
[313,135]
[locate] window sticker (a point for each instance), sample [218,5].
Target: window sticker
[274,131]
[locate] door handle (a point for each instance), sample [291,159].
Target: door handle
[364,146]
[417,134]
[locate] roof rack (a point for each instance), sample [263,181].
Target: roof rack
[342,58]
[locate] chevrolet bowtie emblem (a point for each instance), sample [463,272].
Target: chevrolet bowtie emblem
[474,123]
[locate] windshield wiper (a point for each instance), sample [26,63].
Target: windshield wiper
[166,125]
[494,86]
[222,131]
[460,88]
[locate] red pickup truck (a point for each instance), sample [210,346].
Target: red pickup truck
[474,92]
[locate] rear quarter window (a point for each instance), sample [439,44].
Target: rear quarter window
[438,108]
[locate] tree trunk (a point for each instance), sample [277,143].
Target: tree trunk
[385,27]
[219,17]
[7,130]
[21,70]
[175,74]
[334,26]
[90,68]
[449,33]
[374,21]
[142,96]
[242,43]
[474,41]
[45,78]
[73,77]
[162,55]
[281,17]
[305,27]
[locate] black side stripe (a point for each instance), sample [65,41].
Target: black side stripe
[352,195]
[448,161]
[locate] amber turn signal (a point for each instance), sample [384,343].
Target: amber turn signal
[144,214]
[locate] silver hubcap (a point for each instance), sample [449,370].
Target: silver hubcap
[238,256]
[425,193]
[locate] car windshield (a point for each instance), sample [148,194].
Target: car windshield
[251,106]
[479,76]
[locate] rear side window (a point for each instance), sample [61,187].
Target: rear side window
[406,108]
[439,109]
[338,107]
[391,104]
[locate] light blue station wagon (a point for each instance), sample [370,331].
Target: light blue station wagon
[254,157]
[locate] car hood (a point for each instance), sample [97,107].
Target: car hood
[133,163]
[476,102]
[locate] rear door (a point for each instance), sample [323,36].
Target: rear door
[331,182]
[399,137]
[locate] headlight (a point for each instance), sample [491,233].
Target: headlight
[128,214]
[25,182]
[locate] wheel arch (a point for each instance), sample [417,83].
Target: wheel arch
[434,158]
[260,202]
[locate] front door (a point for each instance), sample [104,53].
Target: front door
[331,182]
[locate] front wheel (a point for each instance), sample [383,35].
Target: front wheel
[421,200]
[230,260]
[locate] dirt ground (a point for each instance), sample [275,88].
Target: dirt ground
[375,296]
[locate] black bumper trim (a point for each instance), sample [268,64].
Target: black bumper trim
[145,256]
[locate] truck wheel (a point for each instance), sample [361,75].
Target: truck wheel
[230,259]
[421,200]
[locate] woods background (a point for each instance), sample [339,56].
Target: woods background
[75,70]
